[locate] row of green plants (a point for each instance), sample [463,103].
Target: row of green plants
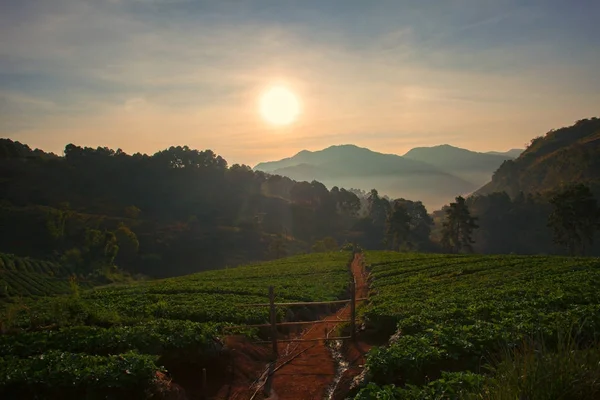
[158,337]
[27,277]
[27,284]
[451,313]
[57,374]
[10,262]
[568,369]
[216,296]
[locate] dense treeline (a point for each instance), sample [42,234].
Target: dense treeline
[563,221]
[543,202]
[174,212]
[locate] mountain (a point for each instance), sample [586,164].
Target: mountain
[361,168]
[512,153]
[340,158]
[466,164]
[562,156]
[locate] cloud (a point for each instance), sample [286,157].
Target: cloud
[141,74]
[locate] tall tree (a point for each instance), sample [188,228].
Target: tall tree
[408,225]
[129,245]
[377,208]
[377,212]
[397,226]
[420,224]
[458,228]
[574,218]
[277,247]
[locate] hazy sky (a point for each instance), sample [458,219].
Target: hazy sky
[389,75]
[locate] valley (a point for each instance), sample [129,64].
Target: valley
[433,175]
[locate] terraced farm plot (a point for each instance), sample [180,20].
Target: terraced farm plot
[452,312]
[176,319]
[27,277]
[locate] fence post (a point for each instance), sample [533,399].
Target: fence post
[353,309]
[273,319]
[204,388]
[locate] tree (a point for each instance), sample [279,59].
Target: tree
[458,227]
[132,212]
[408,225]
[397,226]
[420,224]
[325,245]
[373,225]
[100,249]
[347,202]
[377,208]
[73,259]
[128,245]
[574,218]
[277,247]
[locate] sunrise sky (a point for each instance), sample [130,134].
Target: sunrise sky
[389,75]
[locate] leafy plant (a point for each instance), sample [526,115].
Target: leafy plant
[452,312]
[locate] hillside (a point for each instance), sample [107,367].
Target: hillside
[565,155]
[151,214]
[361,168]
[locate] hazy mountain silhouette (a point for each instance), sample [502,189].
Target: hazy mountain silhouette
[562,156]
[466,164]
[394,175]
[514,153]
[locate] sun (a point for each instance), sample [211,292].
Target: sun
[279,106]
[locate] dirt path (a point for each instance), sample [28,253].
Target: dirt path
[309,375]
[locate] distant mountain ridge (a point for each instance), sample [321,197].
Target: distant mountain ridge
[340,154]
[433,175]
[514,153]
[446,156]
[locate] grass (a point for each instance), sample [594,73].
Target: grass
[535,371]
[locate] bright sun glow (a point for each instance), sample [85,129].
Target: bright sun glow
[279,106]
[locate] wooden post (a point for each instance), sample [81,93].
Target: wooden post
[232,362]
[273,319]
[204,388]
[353,309]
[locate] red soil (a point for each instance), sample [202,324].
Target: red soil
[308,375]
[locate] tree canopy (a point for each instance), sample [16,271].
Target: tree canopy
[176,211]
[574,218]
[457,233]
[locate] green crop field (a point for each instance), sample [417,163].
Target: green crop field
[449,314]
[52,340]
[26,277]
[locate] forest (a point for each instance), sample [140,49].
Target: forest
[152,214]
